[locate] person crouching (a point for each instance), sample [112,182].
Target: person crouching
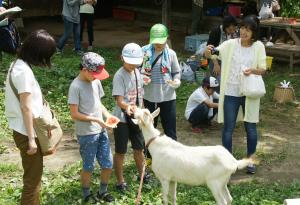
[202,104]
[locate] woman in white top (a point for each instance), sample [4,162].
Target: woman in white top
[242,56]
[87,17]
[23,102]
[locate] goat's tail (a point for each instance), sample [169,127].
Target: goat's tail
[241,164]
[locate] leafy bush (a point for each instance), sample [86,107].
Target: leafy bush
[290,8]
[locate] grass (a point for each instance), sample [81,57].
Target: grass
[63,188]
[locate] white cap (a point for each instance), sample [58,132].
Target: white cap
[210,82]
[132,54]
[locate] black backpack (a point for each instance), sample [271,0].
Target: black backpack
[9,38]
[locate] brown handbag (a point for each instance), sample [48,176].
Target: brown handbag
[46,126]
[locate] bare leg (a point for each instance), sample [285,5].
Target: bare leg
[105,174]
[118,164]
[138,156]
[85,178]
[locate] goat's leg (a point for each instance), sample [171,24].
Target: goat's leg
[217,190]
[172,191]
[226,192]
[227,195]
[165,190]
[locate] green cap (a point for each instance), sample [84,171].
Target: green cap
[158,34]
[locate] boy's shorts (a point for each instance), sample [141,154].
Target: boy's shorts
[95,146]
[122,133]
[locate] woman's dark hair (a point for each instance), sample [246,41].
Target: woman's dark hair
[251,22]
[229,21]
[37,48]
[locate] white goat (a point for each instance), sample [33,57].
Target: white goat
[174,162]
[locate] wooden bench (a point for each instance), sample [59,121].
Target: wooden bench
[285,52]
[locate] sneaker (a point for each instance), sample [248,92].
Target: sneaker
[122,188]
[79,52]
[90,198]
[106,196]
[251,169]
[90,48]
[196,130]
[147,178]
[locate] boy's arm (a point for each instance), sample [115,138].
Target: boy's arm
[82,117]
[125,106]
[105,111]
[210,104]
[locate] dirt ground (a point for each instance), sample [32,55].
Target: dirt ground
[279,142]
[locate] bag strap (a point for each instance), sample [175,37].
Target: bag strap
[14,89]
[156,59]
[137,90]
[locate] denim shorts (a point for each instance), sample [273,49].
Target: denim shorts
[95,146]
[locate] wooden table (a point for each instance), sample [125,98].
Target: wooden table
[285,52]
[279,23]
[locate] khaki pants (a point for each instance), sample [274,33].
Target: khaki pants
[33,169]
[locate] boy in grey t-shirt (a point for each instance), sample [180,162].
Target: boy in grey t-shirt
[87,111]
[128,93]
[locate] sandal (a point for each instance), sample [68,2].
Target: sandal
[107,197]
[90,198]
[122,188]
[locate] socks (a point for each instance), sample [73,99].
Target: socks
[86,191]
[102,188]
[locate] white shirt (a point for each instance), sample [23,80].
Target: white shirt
[242,58]
[198,97]
[24,81]
[86,9]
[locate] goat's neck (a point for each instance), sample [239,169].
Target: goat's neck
[150,132]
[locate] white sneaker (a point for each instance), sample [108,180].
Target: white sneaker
[90,48]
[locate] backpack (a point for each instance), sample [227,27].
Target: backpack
[9,38]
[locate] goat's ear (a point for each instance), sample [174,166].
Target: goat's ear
[155,113]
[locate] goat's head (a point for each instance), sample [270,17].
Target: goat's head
[143,117]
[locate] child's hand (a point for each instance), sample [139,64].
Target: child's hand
[146,79]
[174,83]
[112,121]
[130,109]
[101,123]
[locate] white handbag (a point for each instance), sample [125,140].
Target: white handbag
[252,86]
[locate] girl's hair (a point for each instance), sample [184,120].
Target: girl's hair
[38,48]
[251,22]
[229,21]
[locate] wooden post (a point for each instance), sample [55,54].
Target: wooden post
[166,18]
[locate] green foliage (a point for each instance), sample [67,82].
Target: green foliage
[64,188]
[290,8]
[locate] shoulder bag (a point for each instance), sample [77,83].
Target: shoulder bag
[46,126]
[252,86]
